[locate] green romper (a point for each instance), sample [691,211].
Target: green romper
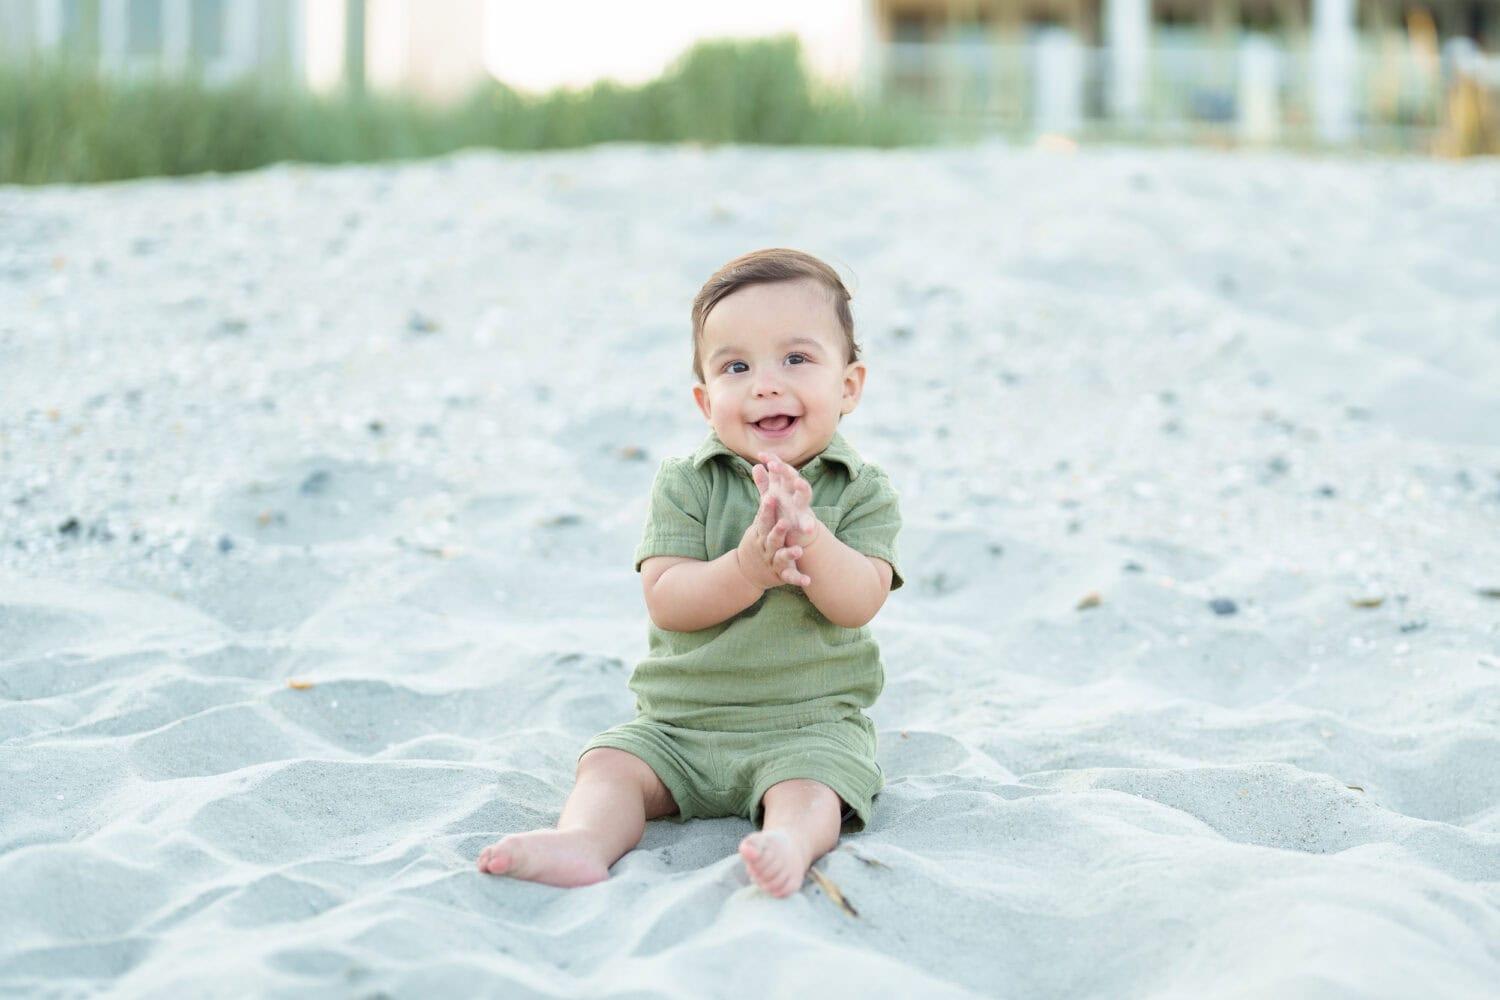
[775,692]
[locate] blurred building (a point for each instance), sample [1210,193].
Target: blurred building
[1256,70]
[216,40]
[1331,71]
[932,20]
[433,48]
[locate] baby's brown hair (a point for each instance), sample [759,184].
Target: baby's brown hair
[764,267]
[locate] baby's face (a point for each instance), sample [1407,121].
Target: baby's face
[774,376]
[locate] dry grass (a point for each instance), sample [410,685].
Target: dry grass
[61,124]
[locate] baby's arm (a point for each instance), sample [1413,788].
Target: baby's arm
[848,586]
[685,595]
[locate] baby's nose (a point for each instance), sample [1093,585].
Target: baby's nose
[767,386]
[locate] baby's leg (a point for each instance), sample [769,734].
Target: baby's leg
[801,825]
[613,796]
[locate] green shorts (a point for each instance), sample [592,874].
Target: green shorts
[712,774]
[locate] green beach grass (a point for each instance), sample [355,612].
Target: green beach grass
[63,124]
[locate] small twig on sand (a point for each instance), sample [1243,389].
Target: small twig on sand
[831,891]
[872,862]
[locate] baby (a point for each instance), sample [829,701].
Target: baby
[765,555]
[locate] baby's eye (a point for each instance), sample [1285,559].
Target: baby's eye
[736,368]
[796,359]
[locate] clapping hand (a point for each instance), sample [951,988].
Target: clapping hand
[783,528]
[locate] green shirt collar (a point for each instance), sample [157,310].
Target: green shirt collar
[838,450]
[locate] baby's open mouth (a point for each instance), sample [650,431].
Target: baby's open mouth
[776,424]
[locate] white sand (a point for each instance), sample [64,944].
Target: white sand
[389,430]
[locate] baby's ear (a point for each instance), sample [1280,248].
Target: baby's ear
[854,386]
[700,396]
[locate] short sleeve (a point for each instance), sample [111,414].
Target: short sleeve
[677,515]
[872,519]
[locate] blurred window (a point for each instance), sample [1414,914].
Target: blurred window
[208,29]
[144,32]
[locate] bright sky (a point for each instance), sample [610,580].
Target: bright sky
[540,44]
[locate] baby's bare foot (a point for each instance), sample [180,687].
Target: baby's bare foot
[774,863]
[552,857]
